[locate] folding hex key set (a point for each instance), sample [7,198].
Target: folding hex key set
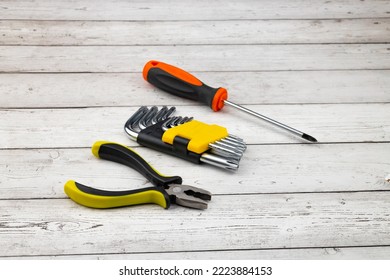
[185,138]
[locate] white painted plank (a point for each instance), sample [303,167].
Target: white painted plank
[333,123]
[190,10]
[264,169]
[246,219]
[194,58]
[356,253]
[130,89]
[194,32]
[56,227]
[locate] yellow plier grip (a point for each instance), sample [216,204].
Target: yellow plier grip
[96,198]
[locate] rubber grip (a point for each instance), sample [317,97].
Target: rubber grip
[152,135]
[95,198]
[183,84]
[124,155]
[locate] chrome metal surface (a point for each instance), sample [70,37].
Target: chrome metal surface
[234,152]
[160,115]
[265,118]
[241,145]
[189,196]
[146,120]
[131,126]
[222,162]
[175,121]
[224,154]
[235,138]
[234,146]
[145,117]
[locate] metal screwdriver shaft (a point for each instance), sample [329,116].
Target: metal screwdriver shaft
[286,127]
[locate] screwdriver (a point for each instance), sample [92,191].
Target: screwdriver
[183,84]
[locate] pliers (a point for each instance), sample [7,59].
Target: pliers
[166,189]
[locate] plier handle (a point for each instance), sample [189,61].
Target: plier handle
[165,190]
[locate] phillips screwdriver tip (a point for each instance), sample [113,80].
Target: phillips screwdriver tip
[308,137]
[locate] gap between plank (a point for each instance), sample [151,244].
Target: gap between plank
[219,71]
[181,105]
[201,44]
[263,144]
[231,194]
[205,251]
[195,20]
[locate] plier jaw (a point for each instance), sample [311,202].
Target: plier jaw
[188,196]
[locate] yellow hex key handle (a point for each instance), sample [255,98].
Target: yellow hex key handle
[166,189]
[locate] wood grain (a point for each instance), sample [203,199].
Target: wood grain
[70,33]
[37,227]
[191,10]
[70,74]
[130,89]
[32,174]
[194,58]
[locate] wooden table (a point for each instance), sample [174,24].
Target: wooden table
[71,75]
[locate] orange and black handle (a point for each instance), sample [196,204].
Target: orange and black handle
[181,83]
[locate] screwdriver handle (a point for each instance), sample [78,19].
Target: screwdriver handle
[183,84]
